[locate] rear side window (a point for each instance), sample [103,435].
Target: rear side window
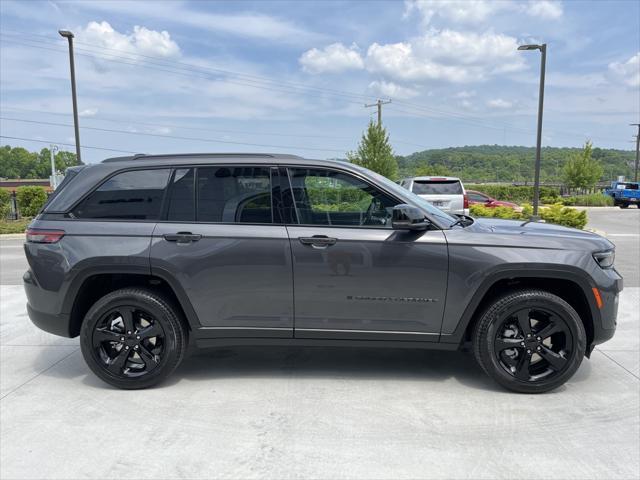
[132,195]
[234,195]
[437,187]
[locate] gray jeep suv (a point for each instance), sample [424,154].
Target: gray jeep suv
[142,255]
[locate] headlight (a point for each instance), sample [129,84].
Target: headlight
[605,259]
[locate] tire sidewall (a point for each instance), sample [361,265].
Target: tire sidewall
[543,301]
[151,303]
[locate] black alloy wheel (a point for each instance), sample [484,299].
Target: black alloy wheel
[133,338]
[529,341]
[129,341]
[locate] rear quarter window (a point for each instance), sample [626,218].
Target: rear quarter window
[437,187]
[132,195]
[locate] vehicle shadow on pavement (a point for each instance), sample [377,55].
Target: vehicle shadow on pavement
[207,365]
[333,362]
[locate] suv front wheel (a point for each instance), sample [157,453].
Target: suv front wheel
[132,338]
[529,341]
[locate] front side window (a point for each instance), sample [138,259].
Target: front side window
[234,195]
[132,195]
[328,197]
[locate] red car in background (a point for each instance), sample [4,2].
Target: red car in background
[478,198]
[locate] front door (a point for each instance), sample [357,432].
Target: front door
[354,276]
[219,242]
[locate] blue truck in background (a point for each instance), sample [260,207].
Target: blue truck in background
[624,194]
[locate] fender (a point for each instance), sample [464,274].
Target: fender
[83,274]
[516,271]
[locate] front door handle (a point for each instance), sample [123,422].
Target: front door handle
[182,237]
[318,241]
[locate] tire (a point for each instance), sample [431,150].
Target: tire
[556,343]
[132,338]
[624,205]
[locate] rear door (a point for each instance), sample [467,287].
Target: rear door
[219,240]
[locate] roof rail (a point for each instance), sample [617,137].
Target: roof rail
[171,156]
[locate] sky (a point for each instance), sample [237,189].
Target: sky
[294,76]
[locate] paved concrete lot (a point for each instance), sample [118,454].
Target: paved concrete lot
[321,412]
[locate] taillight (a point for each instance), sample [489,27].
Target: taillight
[466,201]
[35,235]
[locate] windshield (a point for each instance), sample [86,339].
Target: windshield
[403,192]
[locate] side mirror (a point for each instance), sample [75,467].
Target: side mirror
[407,217]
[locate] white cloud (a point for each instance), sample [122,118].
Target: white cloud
[463,11]
[547,9]
[88,112]
[629,71]
[392,90]
[446,55]
[499,103]
[477,11]
[142,41]
[333,58]
[238,24]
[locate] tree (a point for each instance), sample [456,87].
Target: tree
[431,170]
[375,153]
[581,171]
[20,163]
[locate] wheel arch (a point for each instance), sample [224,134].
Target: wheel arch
[93,283]
[571,286]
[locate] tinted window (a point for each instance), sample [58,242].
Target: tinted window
[437,187]
[328,197]
[181,204]
[234,195]
[133,195]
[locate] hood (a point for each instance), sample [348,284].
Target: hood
[537,234]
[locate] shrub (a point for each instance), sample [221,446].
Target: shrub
[514,193]
[30,200]
[557,213]
[591,200]
[5,204]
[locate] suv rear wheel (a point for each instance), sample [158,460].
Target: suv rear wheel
[132,338]
[529,341]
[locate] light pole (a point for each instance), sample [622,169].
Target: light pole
[635,168]
[536,179]
[69,36]
[54,180]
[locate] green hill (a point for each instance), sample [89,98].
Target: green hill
[496,163]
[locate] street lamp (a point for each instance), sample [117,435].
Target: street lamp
[536,180]
[69,36]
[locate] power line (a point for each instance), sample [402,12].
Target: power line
[120,121]
[66,144]
[378,104]
[255,81]
[173,137]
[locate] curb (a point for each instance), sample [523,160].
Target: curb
[12,236]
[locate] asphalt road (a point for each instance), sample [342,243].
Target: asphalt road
[317,412]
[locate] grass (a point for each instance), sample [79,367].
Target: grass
[14,226]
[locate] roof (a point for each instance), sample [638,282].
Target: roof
[202,156]
[434,178]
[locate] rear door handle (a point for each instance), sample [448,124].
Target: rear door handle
[182,237]
[318,241]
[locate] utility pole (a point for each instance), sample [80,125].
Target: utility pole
[635,170]
[69,36]
[378,104]
[54,180]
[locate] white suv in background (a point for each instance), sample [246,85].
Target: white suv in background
[446,193]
